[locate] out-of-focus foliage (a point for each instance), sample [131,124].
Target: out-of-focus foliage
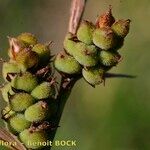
[114,117]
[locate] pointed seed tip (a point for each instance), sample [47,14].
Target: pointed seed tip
[128,20]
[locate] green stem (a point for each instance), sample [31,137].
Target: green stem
[64,93]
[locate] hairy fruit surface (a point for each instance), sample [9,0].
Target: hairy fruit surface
[34,94]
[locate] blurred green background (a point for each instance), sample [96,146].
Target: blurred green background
[114,117]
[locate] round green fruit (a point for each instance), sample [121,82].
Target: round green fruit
[18,123]
[121,27]
[43,52]
[86,55]
[93,76]
[69,44]
[43,91]
[26,82]
[66,64]
[27,38]
[37,112]
[104,38]
[27,59]
[29,138]
[21,101]
[85,32]
[109,58]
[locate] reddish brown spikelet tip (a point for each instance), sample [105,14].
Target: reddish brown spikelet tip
[106,19]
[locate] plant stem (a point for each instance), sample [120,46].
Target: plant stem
[76,12]
[64,93]
[66,85]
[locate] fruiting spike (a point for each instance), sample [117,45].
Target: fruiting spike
[106,19]
[121,27]
[85,32]
[104,38]
[31,91]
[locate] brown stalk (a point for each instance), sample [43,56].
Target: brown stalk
[76,11]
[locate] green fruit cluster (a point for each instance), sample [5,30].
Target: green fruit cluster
[28,91]
[94,48]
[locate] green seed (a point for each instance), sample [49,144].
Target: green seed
[9,67]
[27,59]
[43,91]
[18,123]
[29,138]
[109,58]
[27,38]
[21,101]
[37,112]
[85,32]
[69,44]
[66,64]
[25,81]
[86,55]
[93,76]
[104,38]
[43,52]
[121,27]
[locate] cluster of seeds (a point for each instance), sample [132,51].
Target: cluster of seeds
[29,90]
[94,49]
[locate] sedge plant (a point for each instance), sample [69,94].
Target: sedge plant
[34,98]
